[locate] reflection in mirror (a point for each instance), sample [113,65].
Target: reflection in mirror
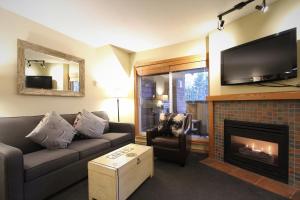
[44,71]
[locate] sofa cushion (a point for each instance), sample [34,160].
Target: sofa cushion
[117,138]
[42,162]
[89,147]
[171,142]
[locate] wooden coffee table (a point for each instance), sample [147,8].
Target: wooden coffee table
[116,175]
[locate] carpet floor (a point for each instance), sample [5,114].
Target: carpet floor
[195,181]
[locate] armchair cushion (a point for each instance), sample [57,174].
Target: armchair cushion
[168,142]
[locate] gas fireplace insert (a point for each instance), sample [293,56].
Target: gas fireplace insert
[261,148]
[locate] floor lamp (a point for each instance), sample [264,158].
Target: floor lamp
[118,93]
[118,105]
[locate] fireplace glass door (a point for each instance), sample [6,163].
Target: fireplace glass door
[259,150]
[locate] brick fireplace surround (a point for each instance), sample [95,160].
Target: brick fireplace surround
[270,108]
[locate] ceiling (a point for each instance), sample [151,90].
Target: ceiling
[135,25]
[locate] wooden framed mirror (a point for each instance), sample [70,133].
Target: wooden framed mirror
[47,72]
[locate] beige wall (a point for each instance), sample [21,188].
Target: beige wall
[282,15]
[192,47]
[110,77]
[100,64]
[109,68]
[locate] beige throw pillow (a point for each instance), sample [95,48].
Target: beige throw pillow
[53,132]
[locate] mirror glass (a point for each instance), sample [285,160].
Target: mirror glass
[43,71]
[47,72]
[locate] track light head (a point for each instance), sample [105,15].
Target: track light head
[238,6]
[263,7]
[221,24]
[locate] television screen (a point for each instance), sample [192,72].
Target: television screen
[41,82]
[267,59]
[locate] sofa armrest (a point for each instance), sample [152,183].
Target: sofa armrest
[11,173]
[122,128]
[151,134]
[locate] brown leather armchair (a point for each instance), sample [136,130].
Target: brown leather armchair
[171,148]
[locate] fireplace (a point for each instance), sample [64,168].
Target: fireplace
[261,148]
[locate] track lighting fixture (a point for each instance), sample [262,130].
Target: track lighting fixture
[263,7]
[28,63]
[236,7]
[41,62]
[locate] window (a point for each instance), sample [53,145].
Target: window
[196,85]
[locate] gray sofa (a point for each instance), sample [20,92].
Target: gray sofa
[30,172]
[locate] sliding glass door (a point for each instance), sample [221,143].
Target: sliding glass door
[178,92]
[154,99]
[189,91]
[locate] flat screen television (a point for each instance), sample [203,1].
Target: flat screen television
[270,58]
[41,82]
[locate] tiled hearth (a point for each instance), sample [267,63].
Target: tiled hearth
[285,112]
[255,179]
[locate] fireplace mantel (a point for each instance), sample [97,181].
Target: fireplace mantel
[286,95]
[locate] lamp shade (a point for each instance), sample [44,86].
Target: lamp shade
[119,92]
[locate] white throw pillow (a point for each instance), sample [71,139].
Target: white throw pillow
[53,132]
[89,125]
[177,124]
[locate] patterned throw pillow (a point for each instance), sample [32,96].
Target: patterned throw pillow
[53,132]
[89,124]
[177,124]
[164,124]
